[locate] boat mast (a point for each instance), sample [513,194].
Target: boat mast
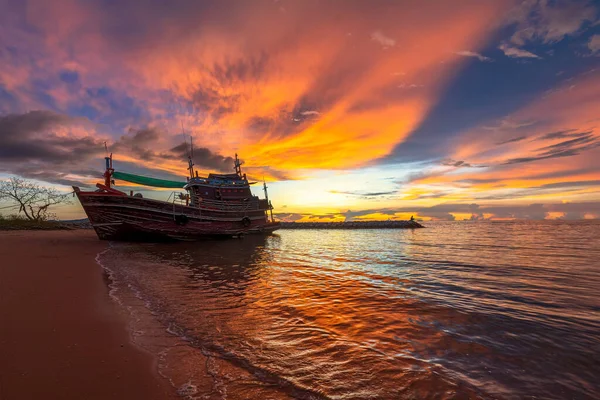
[190,152]
[238,167]
[267,199]
[109,168]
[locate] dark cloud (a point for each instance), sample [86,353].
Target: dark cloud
[30,147]
[564,185]
[139,142]
[241,70]
[143,144]
[449,162]
[455,163]
[592,207]
[215,104]
[30,137]
[206,158]
[61,178]
[584,139]
[513,140]
[572,147]
[534,211]
[557,135]
[363,194]
[472,181]
[434,195]
[476,212]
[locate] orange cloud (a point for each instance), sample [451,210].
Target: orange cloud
[282,85]
[558,115]
[552,144]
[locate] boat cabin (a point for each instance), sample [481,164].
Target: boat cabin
[225,187]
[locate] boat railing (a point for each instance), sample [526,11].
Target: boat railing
[177,198]
[228,206]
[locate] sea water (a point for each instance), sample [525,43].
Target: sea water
[505,310]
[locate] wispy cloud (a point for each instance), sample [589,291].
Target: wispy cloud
[363,193]
[456,163]
[310,112]
[515,52]
[382,39]
[466,53]
[563,145]
[558,134]
[550,21]
[567,148]
[512,140]
[509,124]
[594,44]
[409,86]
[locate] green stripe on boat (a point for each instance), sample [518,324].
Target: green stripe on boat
[146,181]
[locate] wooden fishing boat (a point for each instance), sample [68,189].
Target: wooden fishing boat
[220,205]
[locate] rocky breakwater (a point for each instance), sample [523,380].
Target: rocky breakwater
[353,225]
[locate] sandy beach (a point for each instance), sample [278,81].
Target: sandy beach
[61,335]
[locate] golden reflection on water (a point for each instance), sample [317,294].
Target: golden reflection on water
[452,311]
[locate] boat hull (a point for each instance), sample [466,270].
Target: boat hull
[115,216]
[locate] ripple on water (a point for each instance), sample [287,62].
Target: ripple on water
[458,310]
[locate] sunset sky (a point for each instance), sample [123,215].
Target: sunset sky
[466,109]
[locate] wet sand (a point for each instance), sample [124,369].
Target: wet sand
[61,335]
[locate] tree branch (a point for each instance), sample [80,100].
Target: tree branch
[34,200]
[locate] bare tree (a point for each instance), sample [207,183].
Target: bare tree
[33,200]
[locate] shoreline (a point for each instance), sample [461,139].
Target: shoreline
[61,334]
[85,225]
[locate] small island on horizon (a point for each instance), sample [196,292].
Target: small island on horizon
[353,225]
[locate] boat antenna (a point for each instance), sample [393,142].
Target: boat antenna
[190,152]
[108,172]
[267,198]
[238,166]
[184,140]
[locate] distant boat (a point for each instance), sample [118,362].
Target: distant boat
[220,205]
